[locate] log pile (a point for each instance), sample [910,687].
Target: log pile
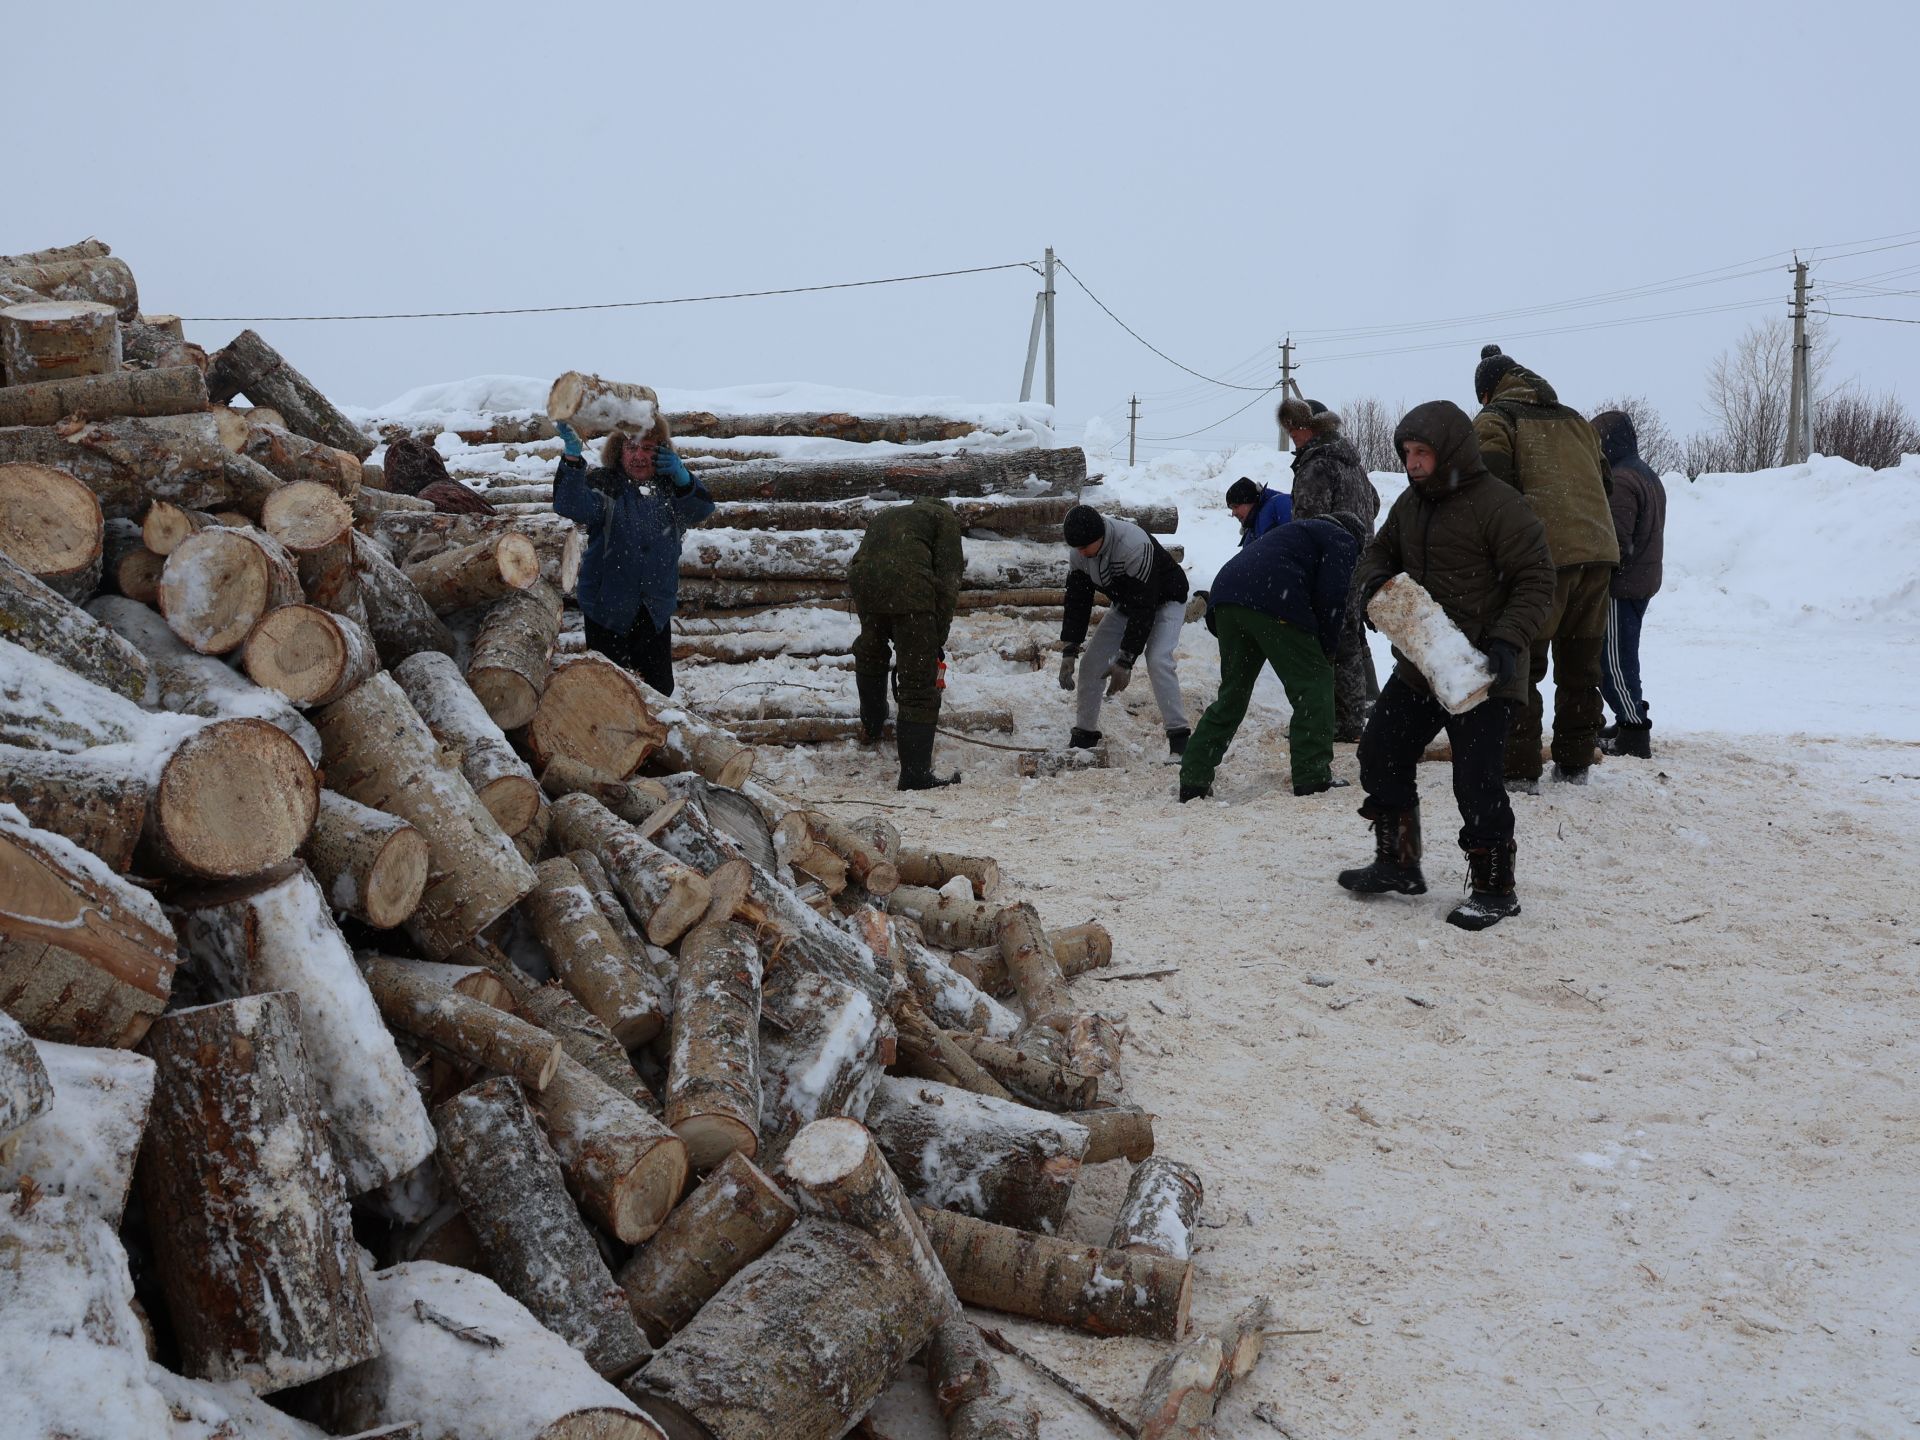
[672,1104]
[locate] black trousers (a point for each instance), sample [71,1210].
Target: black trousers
[1402,724]
[643,649]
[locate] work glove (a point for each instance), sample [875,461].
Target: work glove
[672,468]
[569,439]
[1069,663]
[1119,676]
[1504,659]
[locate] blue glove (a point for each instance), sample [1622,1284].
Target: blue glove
[570,438]
[673,468]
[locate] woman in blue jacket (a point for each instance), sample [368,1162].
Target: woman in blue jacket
[636,504]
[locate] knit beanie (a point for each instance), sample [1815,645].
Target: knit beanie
[1242,492]
[1083,526]
[1487,373]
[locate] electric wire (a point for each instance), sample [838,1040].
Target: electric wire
[1226,385]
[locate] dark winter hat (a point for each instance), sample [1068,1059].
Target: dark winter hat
[1083,526]
[1297,414]
[1493,364]
[1242,492]
[1316,407]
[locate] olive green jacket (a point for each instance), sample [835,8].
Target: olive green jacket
[1550,454]
[909,561]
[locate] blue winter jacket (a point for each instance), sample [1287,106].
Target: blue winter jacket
[1275,508]
[1299,573]
[633,538]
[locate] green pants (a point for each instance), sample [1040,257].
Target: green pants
[1249,638]
[914,639]
[1573,637]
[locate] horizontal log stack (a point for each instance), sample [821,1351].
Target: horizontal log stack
[412,954]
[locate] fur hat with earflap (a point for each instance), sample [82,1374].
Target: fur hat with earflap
[1298,414]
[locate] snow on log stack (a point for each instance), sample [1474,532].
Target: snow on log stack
[685,1088]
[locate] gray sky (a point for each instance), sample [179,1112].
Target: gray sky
[1218,173]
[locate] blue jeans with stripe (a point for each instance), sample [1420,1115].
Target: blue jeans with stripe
[1620,662]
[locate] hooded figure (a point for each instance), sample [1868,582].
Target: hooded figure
[1639,503]
[1147,592]
[1481,552]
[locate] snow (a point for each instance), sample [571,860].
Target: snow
[84,1147]
[825,1151]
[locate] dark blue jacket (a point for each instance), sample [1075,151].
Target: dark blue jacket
[1298,573]
[633,540]
[1274,509]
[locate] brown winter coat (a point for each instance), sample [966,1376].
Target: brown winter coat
[1639,503]
[1328,477]
[1550,454]
[1475,545]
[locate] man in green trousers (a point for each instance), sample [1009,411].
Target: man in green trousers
[1281,601]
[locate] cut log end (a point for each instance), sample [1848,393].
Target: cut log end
[397,878]
[711,1138]
[50,524]
[235,799]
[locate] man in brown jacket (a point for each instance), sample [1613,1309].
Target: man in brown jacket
[1481,552]
[1550,454]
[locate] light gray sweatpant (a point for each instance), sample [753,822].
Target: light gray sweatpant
[1104,644]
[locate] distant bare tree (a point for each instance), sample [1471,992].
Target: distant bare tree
[1706,454]
[1870,430]
[1748,394]
[1368,426]
[1657,445]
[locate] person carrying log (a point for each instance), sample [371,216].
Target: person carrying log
[1481,552]
[1282,601]
[636,504]
[1148,595]
[905,584]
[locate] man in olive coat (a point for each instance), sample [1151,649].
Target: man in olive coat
[1550,454]
[1481,552]
[905,582]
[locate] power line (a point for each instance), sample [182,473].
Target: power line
[1890,319]
[1223,384]
[610,304]
[1216,424]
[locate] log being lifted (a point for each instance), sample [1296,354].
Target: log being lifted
[100,279]
[219,582]
[625,1166]
[370,864]
[970,1391]
[713,1080]
[596,712]
[129,463]
[249,1226]
[423,1005]
[730,1221]
[402,622]
[510,1187]
[983,472]
[251,365]
[51,340]
[283,937]
[379,752]
[991,1158]
[589,957]
[513,654]
[798,1345]
[310,655]
[599,405]
[666,897]
[88,959]
[475,574]
[465,1359]
[458,721]
[37,618]
[1104,1292]
[176,390]
[83,1146]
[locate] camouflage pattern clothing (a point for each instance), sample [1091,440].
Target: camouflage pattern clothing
[905,583]
[1328,477]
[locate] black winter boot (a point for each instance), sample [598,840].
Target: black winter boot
[1490,874]
[1332,783]
[1396,858]
[873,706]
[914,740]
[1635,741]
[1575,776]
[1083,739]
[1194,792]
[1177,742]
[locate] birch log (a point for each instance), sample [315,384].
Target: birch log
[370,864]
[589,957]
[130,463]
[128,567]
[51,527]
[219,582]
[1160,1210]
[972,1394]
[627,1169]
[461,724]
[49,340]
[967,473]
[176,390]
[37,618]
[713,1081]
[25,1091]
[594,711]
[310,655]
[823,1049]
[101,807]
[665,897]
[584,1039]
[251,365]
[475,574]
[296,459]
[1187,1384]
[513,654]
[424,1005]
[402,622]
[100,278]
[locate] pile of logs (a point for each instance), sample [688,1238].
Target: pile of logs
[455,1039]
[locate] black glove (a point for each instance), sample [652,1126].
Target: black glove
[1367,592]
[1212,629]
[1068,661]
[1505,660]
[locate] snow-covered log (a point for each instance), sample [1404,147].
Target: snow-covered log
[583,1038]
[1161,1208]
[589,956]
[234,798]
[1034,970]
[983,472]
[220,581]
[697,745]
[1104,1292]
[626,1167]
[713,1081]
[973,1396]
[991,1158]
[51,527]
[596,712]
[26,1093]
[379,752]
[475,574]
[175,390]
[951,1000]
[402,622]
[808,940]
[37,618]
[250,365]
[252,1242]
[284,938]
[83,1146]
[510,1187]
[131,462]
[665,896]
[422,1004]
[310,655]
[48,340]
[69,274]
[600,405]
[370,864]
[730,1221]
[1420,630]
[682,828]
[461,724]
[1036,1079]
[823,1049]
[634,799]
[946,919]
[513,654]
[1076,949]
[798,1345]
[101,807]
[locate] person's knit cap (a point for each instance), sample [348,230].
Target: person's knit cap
[1242,492]
[1493,364]
[1083,526]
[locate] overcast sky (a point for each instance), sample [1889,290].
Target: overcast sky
[1220,174]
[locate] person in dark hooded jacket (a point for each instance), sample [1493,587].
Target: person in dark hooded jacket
[1479,550]
[1282,601]
[1639,503]
[636,504]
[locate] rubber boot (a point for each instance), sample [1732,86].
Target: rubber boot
[1177,742]
[1490,875]
[1635,741]
[1396,858]
[1564,776]
[914,740]
[1194,792]
[1083,739]
[1331,783]
[873,705]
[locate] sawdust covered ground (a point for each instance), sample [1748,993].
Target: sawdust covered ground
[1640,1163]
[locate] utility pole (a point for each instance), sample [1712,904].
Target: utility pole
[1049,295]
[1286,386]
[1133,424]
[1800,400]
[1033,345]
